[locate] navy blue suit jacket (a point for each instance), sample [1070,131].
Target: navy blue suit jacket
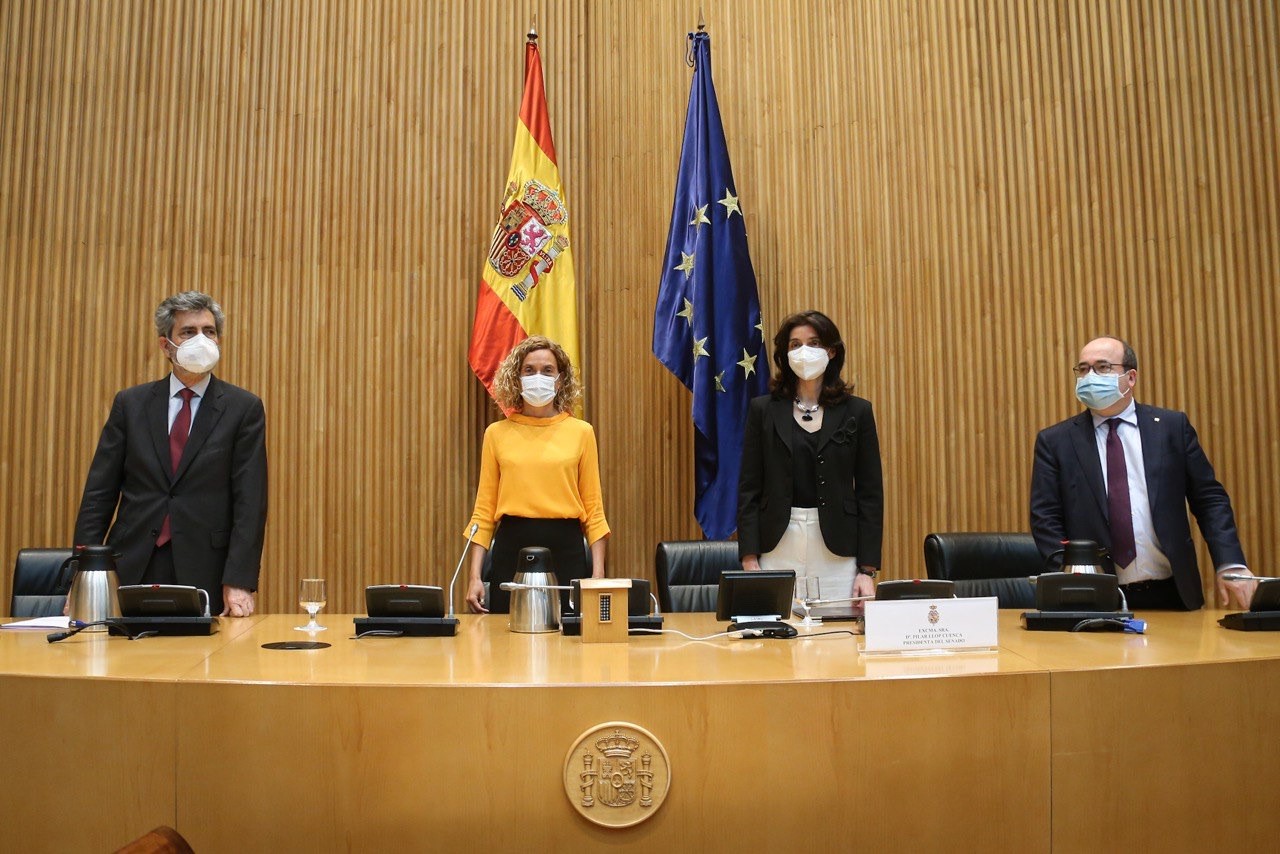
[1068,500]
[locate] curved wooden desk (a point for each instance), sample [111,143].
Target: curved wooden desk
[409,743]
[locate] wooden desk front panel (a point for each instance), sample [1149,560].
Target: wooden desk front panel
[891,764]
[1155,741]
[1179,758]
[88,763]
[90,743]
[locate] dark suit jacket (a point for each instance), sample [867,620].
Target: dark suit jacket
[1068,500]
[217,501]
[850,484]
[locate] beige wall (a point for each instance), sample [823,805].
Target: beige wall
[970,190]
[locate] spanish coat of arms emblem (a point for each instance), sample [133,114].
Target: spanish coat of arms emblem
[524,247]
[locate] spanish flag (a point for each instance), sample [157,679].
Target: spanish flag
[527,286]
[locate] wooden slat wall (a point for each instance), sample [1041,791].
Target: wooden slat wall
[971,189]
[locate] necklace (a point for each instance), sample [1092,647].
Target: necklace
[807,411]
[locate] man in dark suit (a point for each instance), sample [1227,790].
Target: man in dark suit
[182,467]
[1123,475]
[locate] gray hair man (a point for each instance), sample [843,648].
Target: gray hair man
[178,483]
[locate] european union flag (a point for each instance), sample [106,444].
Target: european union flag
[706,326]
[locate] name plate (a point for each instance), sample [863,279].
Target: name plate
[927,625]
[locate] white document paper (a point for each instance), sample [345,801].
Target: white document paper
[45,623]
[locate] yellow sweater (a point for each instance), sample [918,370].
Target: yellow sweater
[542,468]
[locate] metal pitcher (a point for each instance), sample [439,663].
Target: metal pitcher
[1079,556]
[535,593]
[94,585]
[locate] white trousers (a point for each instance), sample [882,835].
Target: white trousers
[802,549]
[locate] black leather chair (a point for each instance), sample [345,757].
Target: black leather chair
[35,579]
[688,573]
[986,564]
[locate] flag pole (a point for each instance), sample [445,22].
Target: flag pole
[702,28]
[706,319]
[508,309]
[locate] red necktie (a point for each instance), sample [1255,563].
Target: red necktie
[1119,511]
[177,442]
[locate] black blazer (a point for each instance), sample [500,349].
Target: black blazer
[217,501]
[850,484]
[1068,500]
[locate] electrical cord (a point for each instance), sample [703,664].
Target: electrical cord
[683,635]
[824,634]
[113,628]
[1111,624]
[737,634]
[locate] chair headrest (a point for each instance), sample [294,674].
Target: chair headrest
[981,555]
[695,561]
[35,571]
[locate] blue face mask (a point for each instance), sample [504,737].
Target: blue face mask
[1099,392]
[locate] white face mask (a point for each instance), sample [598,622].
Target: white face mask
[197,354]
[538,389]
[809,363]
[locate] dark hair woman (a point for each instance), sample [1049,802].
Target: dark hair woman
[811,496]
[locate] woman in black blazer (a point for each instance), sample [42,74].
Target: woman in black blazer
[811,497]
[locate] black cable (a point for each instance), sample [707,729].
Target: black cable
[113,628]
[1100,624]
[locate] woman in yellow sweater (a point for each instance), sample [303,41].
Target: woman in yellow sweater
[539,476]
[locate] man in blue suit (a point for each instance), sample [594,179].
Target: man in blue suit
[1123,475]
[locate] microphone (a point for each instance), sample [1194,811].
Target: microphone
[842,599]
[458,568]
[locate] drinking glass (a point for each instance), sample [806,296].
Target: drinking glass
[808,590]
[311,599]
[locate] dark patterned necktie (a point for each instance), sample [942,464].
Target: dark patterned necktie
[1119,510]
[178,434]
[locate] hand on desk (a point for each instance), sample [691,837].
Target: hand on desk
[863,585]
[237,602]
[1234,594]
[475,597]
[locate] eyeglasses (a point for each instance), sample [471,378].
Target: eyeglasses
[1102,369]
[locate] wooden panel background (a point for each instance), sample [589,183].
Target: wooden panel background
[971,189]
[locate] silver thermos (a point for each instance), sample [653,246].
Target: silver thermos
[94,584]
[535,592]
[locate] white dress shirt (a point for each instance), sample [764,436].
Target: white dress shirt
[175,401]
[1150,563]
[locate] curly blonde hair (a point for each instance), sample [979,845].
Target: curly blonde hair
[506,382]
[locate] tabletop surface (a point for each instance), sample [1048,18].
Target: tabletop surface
[486,653]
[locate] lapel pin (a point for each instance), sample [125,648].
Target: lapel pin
[1157,418]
